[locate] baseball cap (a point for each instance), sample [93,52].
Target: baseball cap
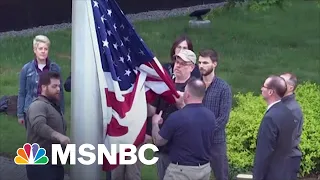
[187,55]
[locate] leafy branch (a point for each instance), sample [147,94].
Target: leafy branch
[252,5]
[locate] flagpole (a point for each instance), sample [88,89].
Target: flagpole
[86,113]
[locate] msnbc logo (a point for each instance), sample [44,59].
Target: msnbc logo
[31,155]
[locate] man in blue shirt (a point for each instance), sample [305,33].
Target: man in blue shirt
[188,133]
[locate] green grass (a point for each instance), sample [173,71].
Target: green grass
[251,47]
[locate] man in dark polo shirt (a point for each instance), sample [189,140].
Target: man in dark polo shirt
[189,133]
[184,65]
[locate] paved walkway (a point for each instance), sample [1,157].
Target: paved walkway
[10,171]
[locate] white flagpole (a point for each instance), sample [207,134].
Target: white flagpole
[86,112]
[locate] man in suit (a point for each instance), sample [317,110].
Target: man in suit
[289,100]
[274,140]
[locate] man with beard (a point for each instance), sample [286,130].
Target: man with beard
[218,99]
[184,64]
[46,126]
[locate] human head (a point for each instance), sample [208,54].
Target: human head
[208,61]
[273,88]
[50,85]
[291,81]
[41,46]
[184,63]
[194,91]
[180,43]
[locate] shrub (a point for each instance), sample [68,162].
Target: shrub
[245,120]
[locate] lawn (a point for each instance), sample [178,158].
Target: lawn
[251,47]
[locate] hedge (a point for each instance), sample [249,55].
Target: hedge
[245,120]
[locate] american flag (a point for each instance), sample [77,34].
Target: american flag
[130,76]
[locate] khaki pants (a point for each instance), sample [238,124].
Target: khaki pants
[128,172]
[179,172]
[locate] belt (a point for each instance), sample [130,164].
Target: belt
[189,163]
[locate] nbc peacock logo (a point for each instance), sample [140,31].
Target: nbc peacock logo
[31,155]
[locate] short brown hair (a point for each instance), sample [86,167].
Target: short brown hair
[196,87]
[278,84]
[211,53]
[293,80]
[45,77]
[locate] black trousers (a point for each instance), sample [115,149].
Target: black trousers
[45,172]
[219,161]
[295,167]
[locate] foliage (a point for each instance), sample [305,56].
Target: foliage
[309,98]
[252,5]
[245,120]
[264,5]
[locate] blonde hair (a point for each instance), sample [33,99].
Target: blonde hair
[40,39]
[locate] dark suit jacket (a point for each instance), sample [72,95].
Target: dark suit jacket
[274,144]
[293,105]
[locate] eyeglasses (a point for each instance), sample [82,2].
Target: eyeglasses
[265,87]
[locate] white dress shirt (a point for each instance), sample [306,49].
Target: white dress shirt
[270,105]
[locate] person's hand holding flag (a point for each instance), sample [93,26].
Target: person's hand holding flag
[179,100]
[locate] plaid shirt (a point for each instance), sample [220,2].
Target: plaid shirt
[218,99]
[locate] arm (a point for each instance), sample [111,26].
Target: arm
[157,138]
[38,121]
[179,101]
[225,104]
[162,137]
[297,112]
[21,93]
[266,142]
[67,84]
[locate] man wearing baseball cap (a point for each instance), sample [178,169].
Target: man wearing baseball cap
[185,61]
[187,55]
[184,64]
